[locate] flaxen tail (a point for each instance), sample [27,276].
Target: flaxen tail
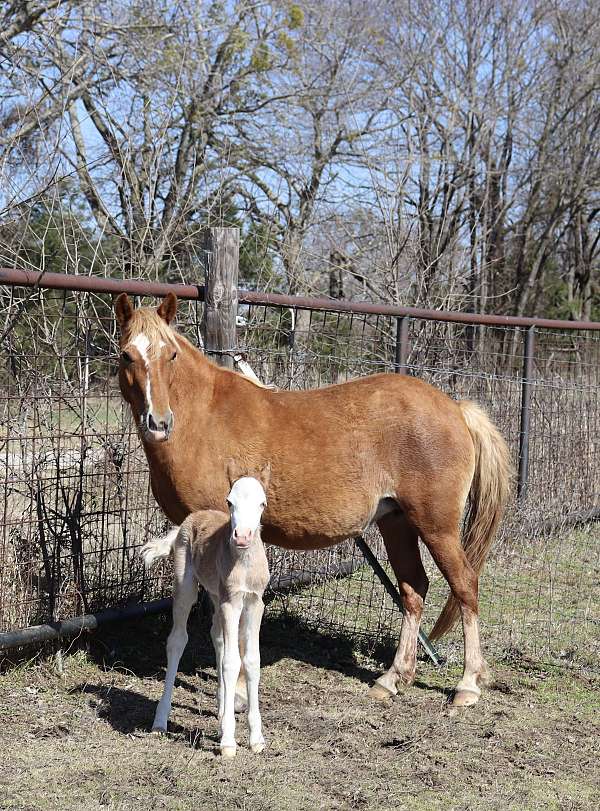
[487,498]
[158,548]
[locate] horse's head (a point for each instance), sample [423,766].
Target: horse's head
[148,362]
[247,500]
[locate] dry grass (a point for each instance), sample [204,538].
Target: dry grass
[80,740]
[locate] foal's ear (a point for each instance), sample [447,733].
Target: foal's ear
[234,471]
[123,310]
[168,307]
[264,476]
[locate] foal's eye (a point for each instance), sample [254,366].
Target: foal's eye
[229,504]
[126,357]
[263,504]
[173,356]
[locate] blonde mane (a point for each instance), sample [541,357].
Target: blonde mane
[254,382]
[147,321]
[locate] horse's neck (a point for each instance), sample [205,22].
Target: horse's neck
[195,369]
[193,386]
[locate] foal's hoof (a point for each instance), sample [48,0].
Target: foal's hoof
[257,748]
[240,703]
[465,698]
[158,730]
[380,693]
[228,751]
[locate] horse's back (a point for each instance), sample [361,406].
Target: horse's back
[377,422]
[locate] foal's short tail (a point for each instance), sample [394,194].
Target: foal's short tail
[158,548]
[487,499]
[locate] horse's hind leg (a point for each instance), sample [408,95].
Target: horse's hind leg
[402,545]
[185,594]
[447,552]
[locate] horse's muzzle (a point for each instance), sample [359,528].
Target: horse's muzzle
[242,537]
[157,428]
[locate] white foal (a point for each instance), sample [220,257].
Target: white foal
[226,556]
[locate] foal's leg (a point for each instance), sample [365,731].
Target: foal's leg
[216,634]
[185,595]
[241,688]
[230,611]
[249,637]
[446,550]
[402,546]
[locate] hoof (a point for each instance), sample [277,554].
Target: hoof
[158,730]
[465,698]
[228,751]
[257,748]
[240,703]
[380,693]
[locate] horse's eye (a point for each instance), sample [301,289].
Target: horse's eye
[229,504]
[173,356]
[263,505]
[126,357]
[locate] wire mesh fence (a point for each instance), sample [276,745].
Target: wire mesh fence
[76,503]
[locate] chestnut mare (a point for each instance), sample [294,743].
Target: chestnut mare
[386,448]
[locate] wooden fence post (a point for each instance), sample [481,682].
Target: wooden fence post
[222,250]
[401,353]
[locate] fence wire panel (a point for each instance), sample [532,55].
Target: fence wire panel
[77,505]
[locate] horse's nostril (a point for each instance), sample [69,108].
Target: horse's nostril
[164,425]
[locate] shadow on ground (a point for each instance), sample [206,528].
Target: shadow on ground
[140,647]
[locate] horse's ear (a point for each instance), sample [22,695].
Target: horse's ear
[123,310]
[168,307]
[234,471]
[264,476]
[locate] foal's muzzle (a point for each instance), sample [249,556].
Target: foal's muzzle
[157,428]
[242,537]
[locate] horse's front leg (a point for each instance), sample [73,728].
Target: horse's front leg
[230,611]
[249,636]
[241,688]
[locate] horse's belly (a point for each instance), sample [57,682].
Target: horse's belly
[309,532]
[293,519]
[299,541]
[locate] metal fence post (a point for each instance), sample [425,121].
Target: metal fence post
[401,353]
[222,249]
[528,353]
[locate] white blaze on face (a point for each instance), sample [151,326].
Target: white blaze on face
[247,500]
[142,344]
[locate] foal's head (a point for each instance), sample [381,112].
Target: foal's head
[247,500]
[148,361]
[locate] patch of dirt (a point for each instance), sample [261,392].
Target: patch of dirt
[80,740]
